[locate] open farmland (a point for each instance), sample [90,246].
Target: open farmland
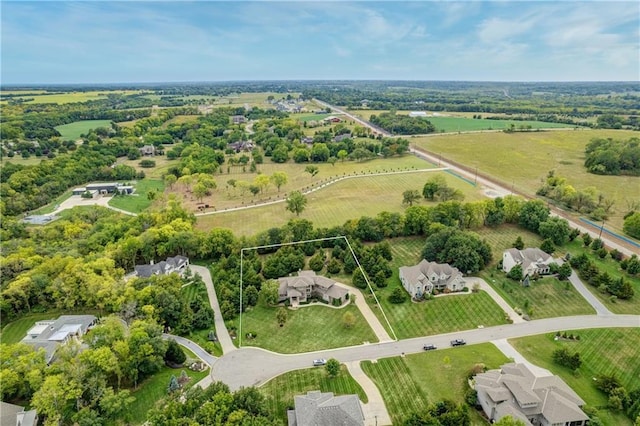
[602,351]
[68,97]
[72,131]
[429,377]
[532,155]
[333,205]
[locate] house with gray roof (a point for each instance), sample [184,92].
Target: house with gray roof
[15,415]
[50,334]
[306,284]
[324,409]
[533,261]
[515,391]
[177,264]
[425,277]
[147,150]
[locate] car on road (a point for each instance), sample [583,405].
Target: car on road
[458,342]
[429,347]
[318,362]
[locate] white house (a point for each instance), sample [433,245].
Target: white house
[425,277]
[532,260]
[176,264]
[515,391]
[307,284]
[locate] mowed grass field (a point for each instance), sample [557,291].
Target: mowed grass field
[439,315]
[602,351]
[138,201]
[302,328]
[408,384]
[281,390]
[72,131]
[333,205]
[523,160]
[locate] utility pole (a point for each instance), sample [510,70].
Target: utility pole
[601,227]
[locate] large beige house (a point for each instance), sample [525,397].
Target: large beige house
[515,391]
[307,284]
[425,277]
[532,260]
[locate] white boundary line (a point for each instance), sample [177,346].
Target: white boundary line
[302,242]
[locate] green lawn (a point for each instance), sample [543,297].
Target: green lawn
[281,390]
[312,116]
[547,298]
[603,351]
[72,131]
[155,388]
[408,384]
[333,205]
[436,316]
[504,236]
[523,159]
[310,328]
[620,306]
[14,331]
[138,201]
[70,97]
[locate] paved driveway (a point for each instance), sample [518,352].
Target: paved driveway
[584,292]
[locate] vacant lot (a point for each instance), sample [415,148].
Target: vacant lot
[72,131]
[408,384]
[603,351]
[302,328]
[281,390]
[523,160]
[333,205]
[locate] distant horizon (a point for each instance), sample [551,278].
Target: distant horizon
[151,83]
[135,42]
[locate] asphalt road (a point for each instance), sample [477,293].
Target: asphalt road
[253,366]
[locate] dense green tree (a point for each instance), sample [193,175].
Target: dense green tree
[296,202]
[333,367]
[410,196]
[174,354]
[532,214]
[398,295]
[631,225]
[556,229]
[279,179]
[515,273]
[269,292]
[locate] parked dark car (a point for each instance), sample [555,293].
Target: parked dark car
[458,342]
[429,347]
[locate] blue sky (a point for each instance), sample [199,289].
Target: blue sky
[145,41]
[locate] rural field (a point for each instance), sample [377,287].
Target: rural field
[302,327]
[532,155]
[347,199]
[45,97]
[429,377]
[602,351]
[72,131]
[280,390]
